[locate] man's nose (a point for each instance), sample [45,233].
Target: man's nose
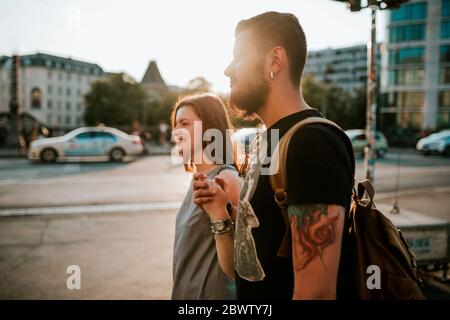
[227,71]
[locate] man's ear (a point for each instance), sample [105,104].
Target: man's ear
[277,60]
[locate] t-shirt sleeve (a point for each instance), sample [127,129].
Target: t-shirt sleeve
[318,168]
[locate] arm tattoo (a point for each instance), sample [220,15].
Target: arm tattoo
[313,230]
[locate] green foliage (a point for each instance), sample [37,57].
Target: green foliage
[344,108]
[114,102]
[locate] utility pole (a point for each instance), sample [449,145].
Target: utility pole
[371,105]
[12,141]
[371,108]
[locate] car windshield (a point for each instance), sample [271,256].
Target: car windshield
[439,135]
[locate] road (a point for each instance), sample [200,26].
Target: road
[116,222]
[157,179]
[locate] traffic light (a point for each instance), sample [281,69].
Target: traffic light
[393,4]
[355,5]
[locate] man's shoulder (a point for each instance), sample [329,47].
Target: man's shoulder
[316,136]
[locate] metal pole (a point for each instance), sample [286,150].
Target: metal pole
[369,150]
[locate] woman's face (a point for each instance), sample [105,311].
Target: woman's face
[185,133]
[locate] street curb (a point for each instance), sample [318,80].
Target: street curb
[89,209]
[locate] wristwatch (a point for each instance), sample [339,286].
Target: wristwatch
[221,226]
[225,225]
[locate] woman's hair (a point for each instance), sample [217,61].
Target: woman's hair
[213,114]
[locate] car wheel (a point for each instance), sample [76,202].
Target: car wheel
[116,155]
[48,155]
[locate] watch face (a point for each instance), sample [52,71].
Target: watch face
[219,225]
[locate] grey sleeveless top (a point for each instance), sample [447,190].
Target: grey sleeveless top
[196,271]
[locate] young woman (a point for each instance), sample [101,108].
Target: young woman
[203,250]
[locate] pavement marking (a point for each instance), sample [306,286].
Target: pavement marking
[119,207]
[86,179]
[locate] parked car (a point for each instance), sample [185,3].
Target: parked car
[86,142]
[436,143]
[359,142]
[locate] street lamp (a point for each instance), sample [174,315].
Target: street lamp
[371,105]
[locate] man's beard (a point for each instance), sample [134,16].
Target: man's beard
[251,98]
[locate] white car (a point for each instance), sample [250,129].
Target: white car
[436,143]
[86,142]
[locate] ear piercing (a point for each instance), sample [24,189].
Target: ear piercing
[272,75]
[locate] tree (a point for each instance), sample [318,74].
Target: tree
[345,108]
[198,84]
[114,102]
[160,110]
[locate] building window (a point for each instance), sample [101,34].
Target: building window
[68,106]
[445,29]
[79,106]
[407,33]
[406,56]
[60,75]
[68,92]
[68,76]
[60,91]
[412,120]
[443,119]
[444,75]
[36,98]
[49,104]
[49,89]
[67,120]
[444,53]
[79,92]
[59,105]
[49,74]
[410,76]
[49,119]
[444,99]
[406,99]
[79,121]
[445,8]
[413,11]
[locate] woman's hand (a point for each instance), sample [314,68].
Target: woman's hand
[211,196]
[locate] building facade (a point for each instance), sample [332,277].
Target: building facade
[344,67]
[51,88]
[415,77]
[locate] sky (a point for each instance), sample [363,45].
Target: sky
[187,38]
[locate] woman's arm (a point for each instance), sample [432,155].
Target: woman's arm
[213,201]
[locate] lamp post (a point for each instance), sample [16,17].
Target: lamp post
[371,105]
[12,141]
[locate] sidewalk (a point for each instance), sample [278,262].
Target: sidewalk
[121,255]
[10,153]
[126,255]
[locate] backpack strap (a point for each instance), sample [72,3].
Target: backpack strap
[278,178]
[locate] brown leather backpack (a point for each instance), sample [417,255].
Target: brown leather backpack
[370,239]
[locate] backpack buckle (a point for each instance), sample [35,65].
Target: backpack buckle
[280,197]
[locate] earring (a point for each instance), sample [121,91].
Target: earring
[272,75]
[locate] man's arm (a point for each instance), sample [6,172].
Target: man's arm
[316,249]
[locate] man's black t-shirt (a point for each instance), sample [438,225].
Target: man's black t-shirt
[320,168]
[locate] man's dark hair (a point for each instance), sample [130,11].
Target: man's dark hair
[279,29]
